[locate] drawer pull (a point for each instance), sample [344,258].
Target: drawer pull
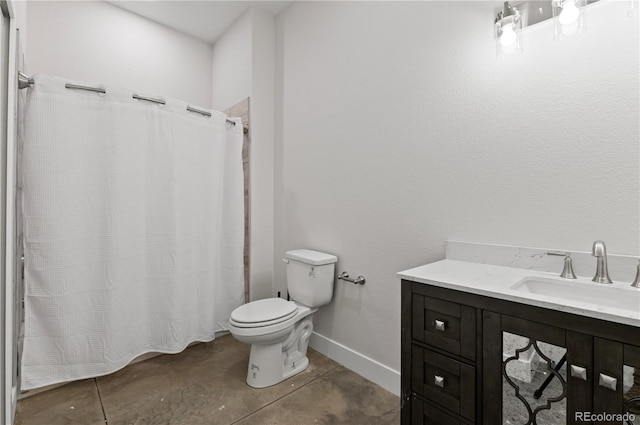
[608,382]
[440,325]
[438,381]
[579,372]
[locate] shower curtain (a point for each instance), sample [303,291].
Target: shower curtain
[134,222]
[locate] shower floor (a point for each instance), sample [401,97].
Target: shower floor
[205,385]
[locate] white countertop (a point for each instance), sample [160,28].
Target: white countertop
[497,282]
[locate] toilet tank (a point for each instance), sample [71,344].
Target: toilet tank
[310,276]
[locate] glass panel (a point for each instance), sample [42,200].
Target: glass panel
[534,382]
[631,394]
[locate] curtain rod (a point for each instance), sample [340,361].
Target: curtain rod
[25,81]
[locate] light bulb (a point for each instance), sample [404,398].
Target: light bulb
[508,37]
[569,14]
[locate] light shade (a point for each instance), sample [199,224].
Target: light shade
[508,31]
[569,17]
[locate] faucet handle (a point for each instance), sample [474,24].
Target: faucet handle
[567,271]
[636,281]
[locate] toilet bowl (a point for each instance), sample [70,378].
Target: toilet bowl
[279,330]
[278,344]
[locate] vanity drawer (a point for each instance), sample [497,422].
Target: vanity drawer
[448,326]
[444,381]
[425,414]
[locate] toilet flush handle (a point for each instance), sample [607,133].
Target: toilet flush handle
[284,260]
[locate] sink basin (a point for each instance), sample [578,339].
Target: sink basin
[600,295]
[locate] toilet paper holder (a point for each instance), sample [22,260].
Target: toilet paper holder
[360,280]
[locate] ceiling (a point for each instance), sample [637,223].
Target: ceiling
[204,19]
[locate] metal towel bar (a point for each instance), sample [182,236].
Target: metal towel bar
[360,280]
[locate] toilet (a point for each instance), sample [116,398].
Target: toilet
[279,330]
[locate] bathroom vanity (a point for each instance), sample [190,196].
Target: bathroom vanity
[485,344]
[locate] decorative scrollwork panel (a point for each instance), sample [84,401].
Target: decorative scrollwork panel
[631,394]
[534,382]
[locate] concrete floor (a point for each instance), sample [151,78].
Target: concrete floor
[205,385]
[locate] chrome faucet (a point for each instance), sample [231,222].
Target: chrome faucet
[599,250]
[567,271]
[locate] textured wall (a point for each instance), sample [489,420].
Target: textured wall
[262,156]
[398,129]
[97,42]
[231,69]
[243,65]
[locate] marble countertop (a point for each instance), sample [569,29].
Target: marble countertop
[498,282]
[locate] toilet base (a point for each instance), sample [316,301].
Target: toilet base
[270,364]
[289,371]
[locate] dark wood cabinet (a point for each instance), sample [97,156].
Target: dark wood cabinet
[445,381]
[455,369]
[425,413]
[447,325]
[611,358]
[440,352]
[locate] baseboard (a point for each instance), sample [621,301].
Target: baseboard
[374,371]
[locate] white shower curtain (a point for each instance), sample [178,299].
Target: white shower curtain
[134,229]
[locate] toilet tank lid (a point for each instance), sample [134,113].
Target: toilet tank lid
[308,256]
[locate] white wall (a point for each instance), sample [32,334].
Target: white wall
[231,69]
[244,66]
[262,154]
[398,129]
[97,42]
[20,11]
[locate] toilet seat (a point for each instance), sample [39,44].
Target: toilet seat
[269,330]
[262,313]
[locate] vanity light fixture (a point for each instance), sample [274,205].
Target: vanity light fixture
[508,31]
[569,17]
